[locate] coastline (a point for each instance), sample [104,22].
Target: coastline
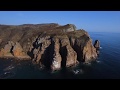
[16,58]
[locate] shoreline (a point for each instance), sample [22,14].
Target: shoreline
[16,58]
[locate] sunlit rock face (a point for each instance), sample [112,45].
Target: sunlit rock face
[49,45]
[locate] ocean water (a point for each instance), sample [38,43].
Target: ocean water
[107,65]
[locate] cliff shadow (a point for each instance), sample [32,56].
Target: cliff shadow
[11,50]
[79,46]
[35,45]
[30,53]
[78,50]
[63,53]
[47,57]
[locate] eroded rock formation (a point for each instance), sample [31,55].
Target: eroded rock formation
[49,45]
[97,46]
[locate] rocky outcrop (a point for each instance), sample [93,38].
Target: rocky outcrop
[89,52]
[17,50]
[12,50]
[56,62]
[67,28]
[69,56]
[49,45]
[84,48]
[7,50]
[40,49]
[97,46]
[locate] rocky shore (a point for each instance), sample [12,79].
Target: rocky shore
[50,45]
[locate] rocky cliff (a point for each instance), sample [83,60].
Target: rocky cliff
[49,45]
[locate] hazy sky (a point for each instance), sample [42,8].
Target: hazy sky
[95,21]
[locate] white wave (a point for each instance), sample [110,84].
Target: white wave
[9,68]
[98,61]
[78,71]
[6,75]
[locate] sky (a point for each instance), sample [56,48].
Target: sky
[91,21]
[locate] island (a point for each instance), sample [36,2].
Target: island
[48,45]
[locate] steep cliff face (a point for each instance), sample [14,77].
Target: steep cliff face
[49,45]
[89,52]
[56,59]
[69,56]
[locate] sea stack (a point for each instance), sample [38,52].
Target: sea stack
[97,46]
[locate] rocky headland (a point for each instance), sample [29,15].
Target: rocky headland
[49,45]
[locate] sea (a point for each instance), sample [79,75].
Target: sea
[107,65]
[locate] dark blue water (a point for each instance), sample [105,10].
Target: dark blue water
[106,67]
